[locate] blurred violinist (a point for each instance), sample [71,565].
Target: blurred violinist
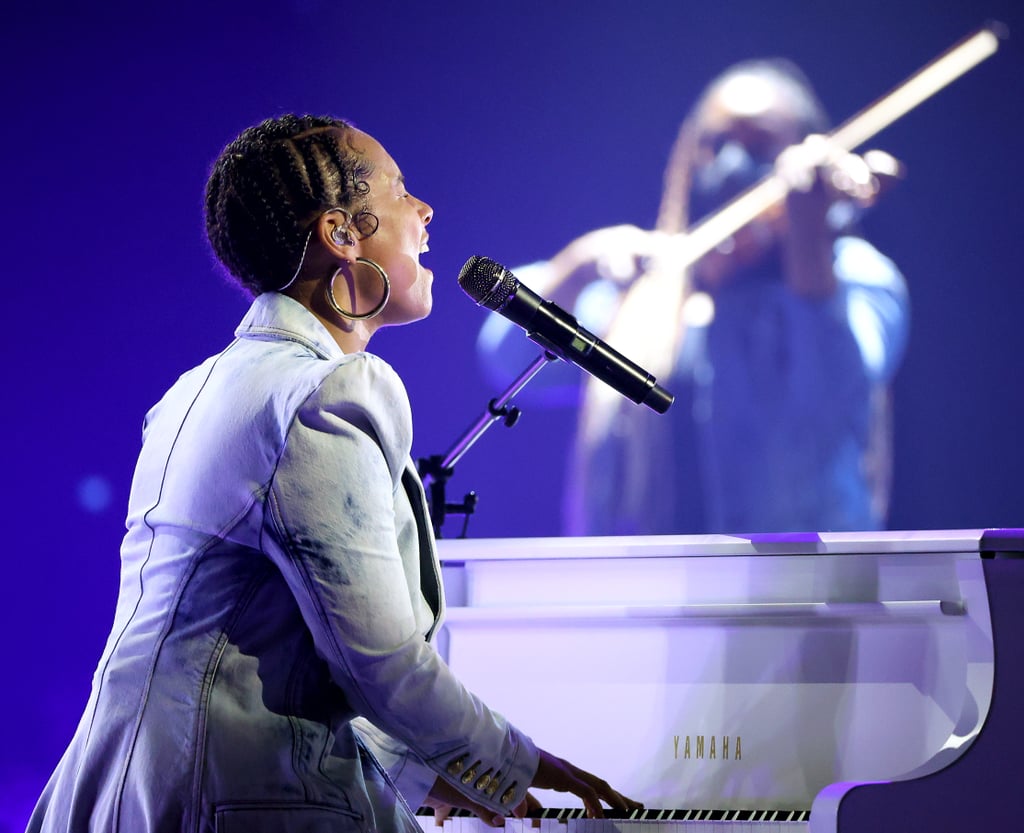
[779,344]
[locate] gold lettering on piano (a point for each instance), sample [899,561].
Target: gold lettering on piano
[716,747]
[686,747]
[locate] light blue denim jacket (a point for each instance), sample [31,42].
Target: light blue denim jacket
[274,585]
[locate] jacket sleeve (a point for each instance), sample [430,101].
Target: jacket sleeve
[877,305]
[332,511]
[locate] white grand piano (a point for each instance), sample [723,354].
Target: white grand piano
[823,682]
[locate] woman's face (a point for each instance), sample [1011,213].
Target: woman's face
[401,235]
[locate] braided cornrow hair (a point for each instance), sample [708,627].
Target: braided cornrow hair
[269,185]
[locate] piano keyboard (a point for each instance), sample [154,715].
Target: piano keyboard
[552,820]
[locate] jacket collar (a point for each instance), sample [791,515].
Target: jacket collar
[276,316]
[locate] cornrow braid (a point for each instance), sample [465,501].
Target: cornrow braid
[269,184]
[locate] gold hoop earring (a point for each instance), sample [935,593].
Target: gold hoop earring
[352,316]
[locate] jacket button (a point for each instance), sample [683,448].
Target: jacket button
[470,773]
[508,795]
[492,788]
[456,765]
[483,780]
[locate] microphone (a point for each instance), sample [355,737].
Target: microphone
[493,286]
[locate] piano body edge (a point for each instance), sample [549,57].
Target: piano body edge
[804,595]
[975,789]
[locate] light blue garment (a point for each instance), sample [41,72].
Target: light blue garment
[271,591]
[777,410]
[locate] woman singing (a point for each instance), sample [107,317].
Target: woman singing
[279,586]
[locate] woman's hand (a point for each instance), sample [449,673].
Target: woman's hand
[557,774]
[617,253]
[553,773]
[443,798]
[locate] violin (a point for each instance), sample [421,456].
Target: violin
[763,202]
[821,204]
[658,302]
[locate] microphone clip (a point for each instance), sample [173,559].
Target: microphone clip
[435,471]
[435,475]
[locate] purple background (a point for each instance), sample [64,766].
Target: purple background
[523,124]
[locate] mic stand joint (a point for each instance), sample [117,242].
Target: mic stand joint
[435,470]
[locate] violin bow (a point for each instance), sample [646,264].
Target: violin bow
[707,233]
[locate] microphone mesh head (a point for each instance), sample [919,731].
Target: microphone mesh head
[488,283]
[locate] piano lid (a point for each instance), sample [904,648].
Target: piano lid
[676,546]
[736,672]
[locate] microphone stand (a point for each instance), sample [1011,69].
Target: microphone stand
[435,469]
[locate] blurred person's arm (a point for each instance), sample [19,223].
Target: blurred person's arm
[587,278]
[819,175]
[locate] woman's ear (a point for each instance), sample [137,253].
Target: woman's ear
[334,228]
